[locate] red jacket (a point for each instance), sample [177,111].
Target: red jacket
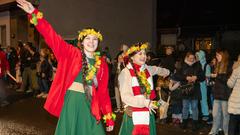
[69,65]
[4,65]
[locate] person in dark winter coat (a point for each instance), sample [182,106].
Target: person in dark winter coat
[119,65]
[169,60]
[12,59]
[191,73]
[29,62]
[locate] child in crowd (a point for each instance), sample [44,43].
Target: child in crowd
[44,74]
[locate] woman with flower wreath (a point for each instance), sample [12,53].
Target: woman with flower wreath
[79,92]
[136,89]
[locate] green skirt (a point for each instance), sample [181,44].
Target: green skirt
[127,125]
[76,117]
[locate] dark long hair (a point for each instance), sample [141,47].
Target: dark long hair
[84,73]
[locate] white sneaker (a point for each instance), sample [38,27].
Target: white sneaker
[45,95]
[29,91]
[19,90]
[117,111]
[40,95]
[4,103]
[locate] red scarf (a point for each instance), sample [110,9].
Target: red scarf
[140,116]
[135,84]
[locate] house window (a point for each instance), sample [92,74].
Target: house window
[203,44]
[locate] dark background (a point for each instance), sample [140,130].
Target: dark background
[120,21]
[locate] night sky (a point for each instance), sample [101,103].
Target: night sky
[194,13]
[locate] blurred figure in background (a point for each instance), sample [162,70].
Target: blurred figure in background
[12,59]
[234,100]
[53,62]
[203,85]
[29,63]
[4,68]
[44,74]
[176,100]
[119,65]
[169,60]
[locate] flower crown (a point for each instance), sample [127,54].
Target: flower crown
[86,32]
[136,48]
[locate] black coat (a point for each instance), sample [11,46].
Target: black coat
[191,70]
[34,60]
[168,62]
[220,89]
[45,68]
[24,58]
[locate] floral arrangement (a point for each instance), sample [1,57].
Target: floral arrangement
[135,48]
[34,19]
[93,69]
[86,32]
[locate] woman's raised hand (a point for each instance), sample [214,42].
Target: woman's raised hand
[25,5]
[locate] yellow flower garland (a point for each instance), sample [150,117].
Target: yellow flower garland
[136,48]
[86,32]
[93,69]
[144,81]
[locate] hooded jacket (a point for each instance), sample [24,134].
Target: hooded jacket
[202,59]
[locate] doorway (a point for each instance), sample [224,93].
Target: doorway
[3,39]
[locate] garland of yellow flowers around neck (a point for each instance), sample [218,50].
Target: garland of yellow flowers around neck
[144,82]
[93,69]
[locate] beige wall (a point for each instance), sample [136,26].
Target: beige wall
[6,1]
[120,21]
[20,28]
[5,20]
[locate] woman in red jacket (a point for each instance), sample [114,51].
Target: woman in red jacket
[79,91]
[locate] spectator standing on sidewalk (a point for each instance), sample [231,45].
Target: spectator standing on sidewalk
[44,74]
[4,68]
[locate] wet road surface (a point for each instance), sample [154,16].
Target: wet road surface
[25,116]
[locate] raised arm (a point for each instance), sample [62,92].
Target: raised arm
[60,48]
